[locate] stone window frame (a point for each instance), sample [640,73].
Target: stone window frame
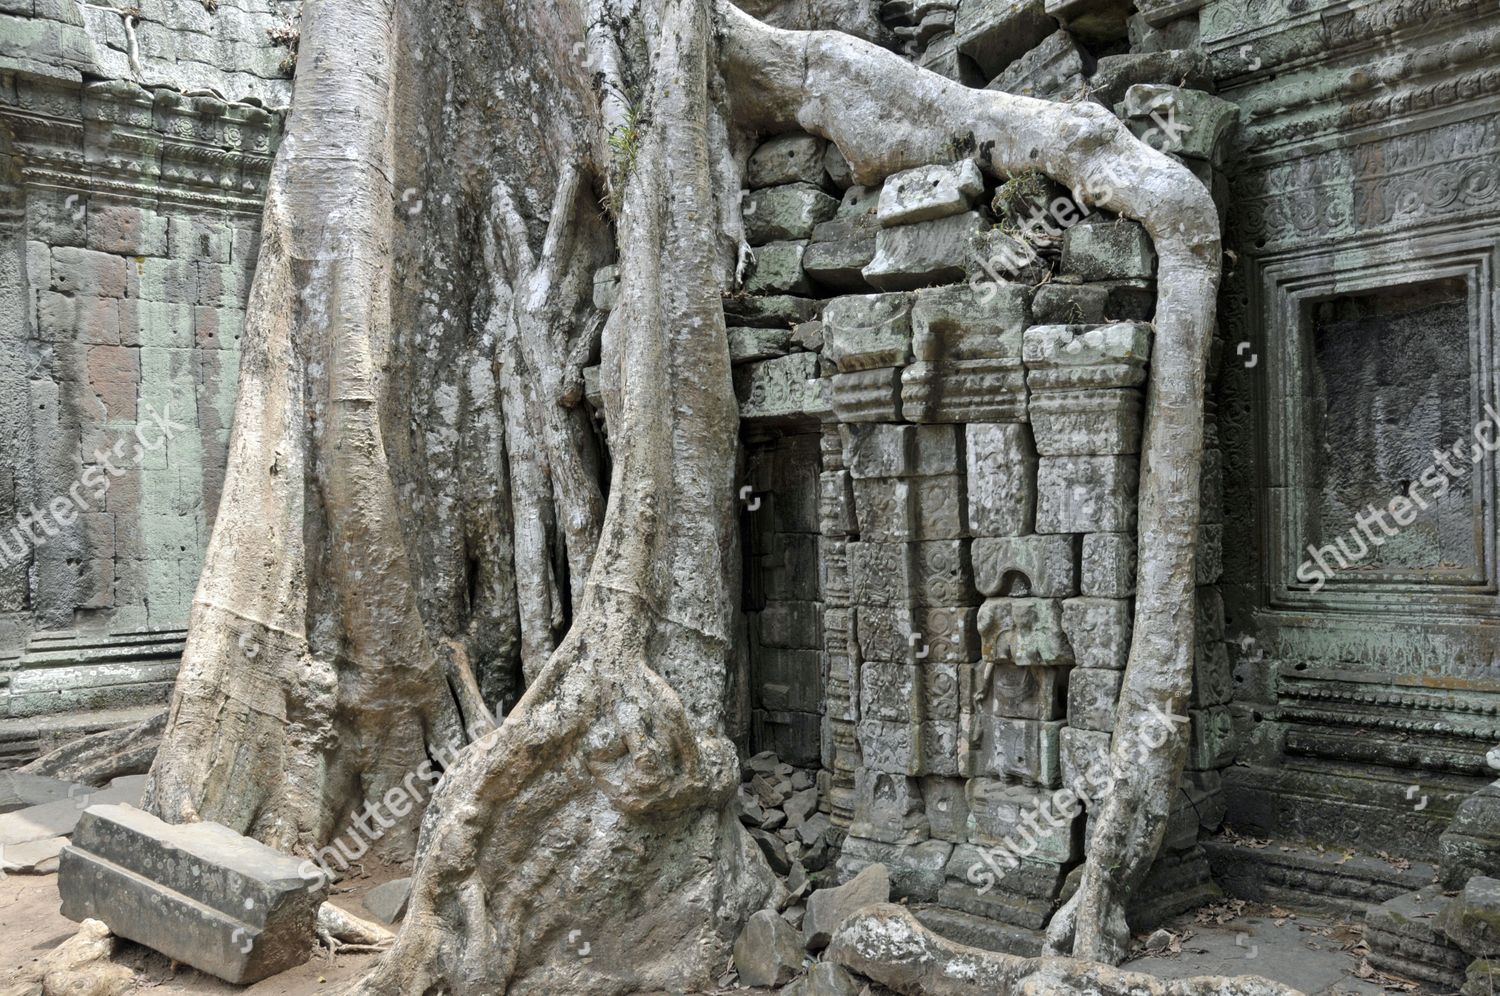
[1282,288]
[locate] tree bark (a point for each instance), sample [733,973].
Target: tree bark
[309,683]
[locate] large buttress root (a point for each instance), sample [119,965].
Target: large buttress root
[582,847]
[309,683]
[886,115]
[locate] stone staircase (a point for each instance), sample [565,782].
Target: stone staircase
[69,684]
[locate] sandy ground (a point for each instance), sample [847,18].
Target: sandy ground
[1312,952]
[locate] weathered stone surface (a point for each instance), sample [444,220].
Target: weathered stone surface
[902,450]
[1020,566]
[606,286]
[985,390]
[1094,303]
[1001,464]
[59,818]
[18,791]
[792,158]
[1083,751]
[924,254]
[929,192]
[996,814]
[785,387]
[35,857]
[825,979]
[776,311]
[1086,494]
[1051,71]
[1093,697]
[786,213]
[915,869]
[387,901]
[867,331]
[1014,691]
[840,263]
[1076,357]
[1472,919]
[994,33]
[199,893]
[767,952]
[827,908]
[1171,119]
[1023,631]
[965,322]
[1098,630]
[747,345]
[778,270]
[1108,565]
[1404,938]
[867,395]
[1211,738]
[1482,978]
[837,168]
[1097,22]
[1115,74]
[1108,250]
[1026,749]
[1471,844]
[1081,423]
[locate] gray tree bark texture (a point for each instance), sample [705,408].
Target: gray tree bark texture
[450,178]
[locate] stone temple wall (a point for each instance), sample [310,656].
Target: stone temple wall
[130,200]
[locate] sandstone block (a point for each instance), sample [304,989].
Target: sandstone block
[1184,122]
[1051,71]
[1076,357]
[995,33]
[1014,691]
[987,390]
[996,811]
[778,270]
[1034,566]
[924,254]
[768,951]
[867,395]
[1114,250]
[199,893]
[902,450]
[1098,630]
[827,908]
[965,322]
[1023,631]
[1108,565]
[1086,494]
[1001,464]
[1095,303]
[126,229]
[88,273]
[840,263]
[867,331]
[790,158]
[1082,423]
[790,212]
[1024,749]
[929,192]
[1093,697]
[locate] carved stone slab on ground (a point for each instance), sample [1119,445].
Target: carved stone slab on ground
[200,894]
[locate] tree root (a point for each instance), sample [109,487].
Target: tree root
[887,943]
[100,757]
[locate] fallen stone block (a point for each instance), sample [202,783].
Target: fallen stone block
[387,901]
[200,894]
[827,908]
[767,952]
[18,791]
[825,979]
[995,33]
[35,857]
[57,819]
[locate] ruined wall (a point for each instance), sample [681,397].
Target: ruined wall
[134,154]
[975,377]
